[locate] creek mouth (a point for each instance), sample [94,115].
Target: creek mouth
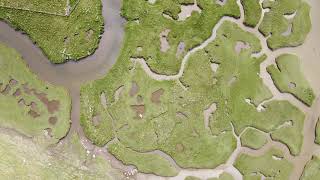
[72,73]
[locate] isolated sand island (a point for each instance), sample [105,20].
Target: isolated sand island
[160,89]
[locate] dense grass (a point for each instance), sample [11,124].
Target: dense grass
[252,12]
[253,139]
[61,38]
[146,163]
[57,7]
[311,170]
[266,164]
[21,158]
[193,31]
[288,78]
[275,23]
[16,116]
[176,124]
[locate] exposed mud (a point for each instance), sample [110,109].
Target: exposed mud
[155,96]
[164,44]
[187,10]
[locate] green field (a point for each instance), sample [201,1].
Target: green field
[252,12]
[288,77]
[253,139]
[287,23]
[61,38]
[271,165]
[56,7]
[311,170]
[147,115]
[32,107]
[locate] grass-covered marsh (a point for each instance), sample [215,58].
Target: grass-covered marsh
[57,7]
[286,24]
[252,11]
[61,38]
[29,105]
[272,164]
[253,139]
[289,78]
[311,170]
[147,115]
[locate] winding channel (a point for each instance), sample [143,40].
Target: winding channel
[72,74]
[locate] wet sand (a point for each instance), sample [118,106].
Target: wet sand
[72,74]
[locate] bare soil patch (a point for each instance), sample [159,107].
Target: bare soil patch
[221,2]
[52,105]
[134,89]
[164,44]
[179,148]
[155,97]
[53,120]
[139,109]
[180,49]
[17,93]
[241,46]
[33,114]
[187,10]
[118,93]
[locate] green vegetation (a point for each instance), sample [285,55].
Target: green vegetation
[253,139]
[57,7]
[20,157]
[288,78]
[223,176]
[146,163]
[252,12]
[192,178]
[29,105]
[147,115]
[311,170]
[271,165]
[317,139]
[288,23]
[193,31]
[61,38]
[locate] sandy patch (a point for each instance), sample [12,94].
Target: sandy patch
[134,89]
[292,85]
[155,97]
[152,1]
[214,67]
[164,44]
[187,10]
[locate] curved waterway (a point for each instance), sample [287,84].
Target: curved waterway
[72,74]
